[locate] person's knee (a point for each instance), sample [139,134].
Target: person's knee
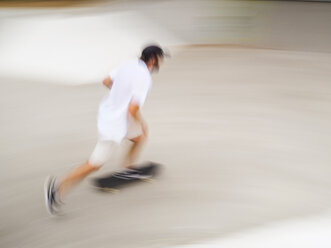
[139,139]
[101,154]
[93,166]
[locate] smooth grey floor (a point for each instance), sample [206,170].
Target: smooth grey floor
[243,134]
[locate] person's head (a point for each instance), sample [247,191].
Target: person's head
[152,56]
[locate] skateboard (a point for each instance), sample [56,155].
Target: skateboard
[115,181]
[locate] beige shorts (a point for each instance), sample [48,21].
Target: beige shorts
[104,148]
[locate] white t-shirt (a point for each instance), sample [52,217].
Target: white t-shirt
[131,82]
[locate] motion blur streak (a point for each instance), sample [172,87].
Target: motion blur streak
[239,116]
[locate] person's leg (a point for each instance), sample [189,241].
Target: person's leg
[134,151]
[75,176]
[138,140]
[54,192]
[101,154]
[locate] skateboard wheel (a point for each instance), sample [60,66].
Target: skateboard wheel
[148,180]
[110,190]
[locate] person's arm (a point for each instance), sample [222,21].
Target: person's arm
[134,111]
[108,82]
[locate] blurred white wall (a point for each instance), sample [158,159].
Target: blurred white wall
[75,46]
[74,49]
[289,25]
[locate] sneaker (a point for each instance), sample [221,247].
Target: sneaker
[52,201]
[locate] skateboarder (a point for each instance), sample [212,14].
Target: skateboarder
[119,118]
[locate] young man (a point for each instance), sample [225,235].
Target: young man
[119,118]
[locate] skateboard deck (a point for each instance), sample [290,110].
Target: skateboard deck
[115,181]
